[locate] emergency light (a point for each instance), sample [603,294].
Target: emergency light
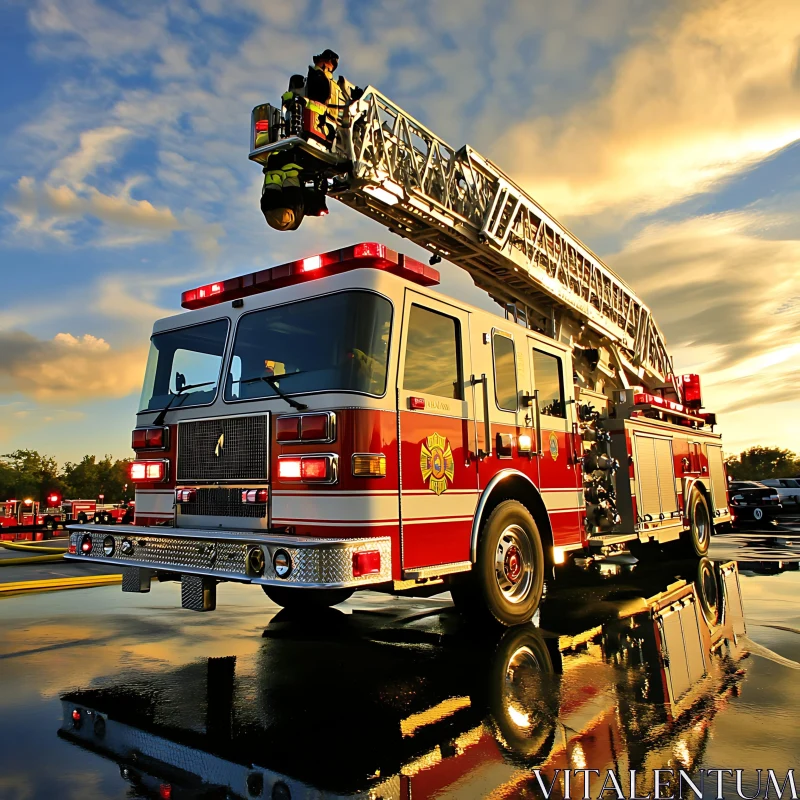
[149,470]
[359,256]
[691,391]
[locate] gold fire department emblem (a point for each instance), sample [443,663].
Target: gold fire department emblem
[436,462]
[554,446]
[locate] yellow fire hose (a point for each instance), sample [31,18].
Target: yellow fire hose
[59,583]
[35,548]
[15,562]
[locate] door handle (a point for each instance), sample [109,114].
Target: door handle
[487,428]
[537,422]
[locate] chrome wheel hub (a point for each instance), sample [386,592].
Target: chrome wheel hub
[514,564]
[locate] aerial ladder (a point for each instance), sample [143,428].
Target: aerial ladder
[462,207]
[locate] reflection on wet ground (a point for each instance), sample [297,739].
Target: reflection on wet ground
[105,695]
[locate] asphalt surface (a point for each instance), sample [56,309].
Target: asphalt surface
[388,697]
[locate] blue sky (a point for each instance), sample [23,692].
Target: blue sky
[665,134]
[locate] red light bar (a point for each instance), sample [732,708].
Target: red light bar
[690,389]
[366,254]
[645,399]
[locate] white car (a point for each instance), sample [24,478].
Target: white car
[788,488]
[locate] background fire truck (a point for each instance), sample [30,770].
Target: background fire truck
[336,424]
[24,519]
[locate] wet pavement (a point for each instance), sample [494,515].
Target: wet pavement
[49,570]
[111,695]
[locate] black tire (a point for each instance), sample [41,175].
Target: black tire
[523,695]
[81,519]
[695,541]
[708,591]
[49,523]
[306,599]
[507,581]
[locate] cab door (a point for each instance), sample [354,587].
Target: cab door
[438,472]
[560,476]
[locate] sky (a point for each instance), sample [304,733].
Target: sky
[666,135]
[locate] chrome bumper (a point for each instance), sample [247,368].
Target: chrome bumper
[233,556]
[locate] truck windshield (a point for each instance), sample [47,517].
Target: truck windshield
[183,358]
[336,342]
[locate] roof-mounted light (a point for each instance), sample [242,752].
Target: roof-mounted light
[367,254]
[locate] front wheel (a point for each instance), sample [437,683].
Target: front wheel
[508,579]
[306,599]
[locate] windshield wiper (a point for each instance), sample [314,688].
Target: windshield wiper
[271,381]
[159,420]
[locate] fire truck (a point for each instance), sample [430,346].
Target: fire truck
[27,519]
[30,519]
[335,423]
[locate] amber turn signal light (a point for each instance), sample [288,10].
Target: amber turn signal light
[369,465]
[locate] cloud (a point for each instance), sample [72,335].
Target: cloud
[50,211]
[699,98]
[68,369]
[98,147]
[726,298]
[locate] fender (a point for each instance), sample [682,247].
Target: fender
[487,492]
[689,484]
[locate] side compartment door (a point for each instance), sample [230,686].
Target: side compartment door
[560,477]
[438,472]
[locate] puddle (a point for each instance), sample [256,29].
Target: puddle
[108,695]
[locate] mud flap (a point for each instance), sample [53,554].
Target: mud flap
[198,593]
[136,579]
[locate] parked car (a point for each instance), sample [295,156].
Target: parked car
[753,500]
[788,488]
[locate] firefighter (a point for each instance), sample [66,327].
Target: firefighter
[321,86]
[282,195]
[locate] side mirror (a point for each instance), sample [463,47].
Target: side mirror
[527,400]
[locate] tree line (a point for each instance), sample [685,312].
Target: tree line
[28,474]
[763,462]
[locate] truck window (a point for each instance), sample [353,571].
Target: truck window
[181,358]
[549,380]
[505,372]
[338,342]
[433,355]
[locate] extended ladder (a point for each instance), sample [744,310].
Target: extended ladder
[462,207]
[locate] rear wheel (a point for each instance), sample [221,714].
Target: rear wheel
[81,519]
[306,599]
[696,540]
[508,579]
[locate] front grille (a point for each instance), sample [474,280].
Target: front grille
[225,449]
[223,503]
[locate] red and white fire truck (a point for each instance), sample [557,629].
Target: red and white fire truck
[24,519]
[335,423]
